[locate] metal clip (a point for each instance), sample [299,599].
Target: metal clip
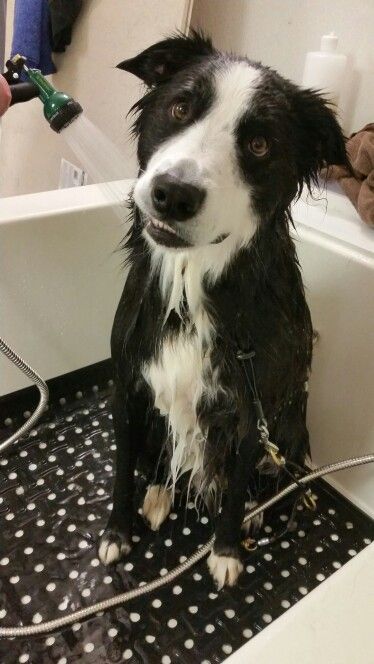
[309,501]
[262,427]
[264,541]
[274,453]
[249,544]
[277,457]
[242,355]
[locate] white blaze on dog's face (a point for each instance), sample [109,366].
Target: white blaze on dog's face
[224,145]
[198,168]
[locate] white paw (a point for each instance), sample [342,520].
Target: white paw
[156,506]
[108,552]
[112,548]
[255,524]
[224,569]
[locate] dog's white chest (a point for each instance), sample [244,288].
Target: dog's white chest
[178,377]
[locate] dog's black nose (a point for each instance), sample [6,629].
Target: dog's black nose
[174,199]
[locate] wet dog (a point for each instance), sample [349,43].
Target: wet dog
[224,147]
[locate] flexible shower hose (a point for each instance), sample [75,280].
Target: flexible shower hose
[121,598]
[39,382]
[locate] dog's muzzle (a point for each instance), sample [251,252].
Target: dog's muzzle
[175,200]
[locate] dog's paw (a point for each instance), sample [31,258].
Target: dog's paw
[253,525]
[156,506]
[225,570]
[113,546]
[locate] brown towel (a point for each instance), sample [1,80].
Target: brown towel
[360,188]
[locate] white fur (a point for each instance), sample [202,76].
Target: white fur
[224,569]
[182,372]
[206,153]
[178,376]
[109,552]
[156,505]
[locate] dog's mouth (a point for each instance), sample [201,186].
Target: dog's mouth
[164,234]
[167,236]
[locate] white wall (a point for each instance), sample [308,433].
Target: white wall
[280,32]
[107,31]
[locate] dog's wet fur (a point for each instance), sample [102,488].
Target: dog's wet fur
[224,147]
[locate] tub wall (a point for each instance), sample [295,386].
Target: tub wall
[339,282]
[61,279]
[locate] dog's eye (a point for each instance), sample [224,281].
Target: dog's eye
[181,111]
[258,146]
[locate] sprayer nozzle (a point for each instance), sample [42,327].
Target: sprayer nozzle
[65,114]
[59,109]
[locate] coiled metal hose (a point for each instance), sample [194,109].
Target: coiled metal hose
[41,385]
[81,614]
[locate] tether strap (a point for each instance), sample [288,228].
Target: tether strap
[271,449]
[243,356]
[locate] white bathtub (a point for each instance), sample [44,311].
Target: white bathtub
[336,252]
[333,624]
[61,279]
[60,282]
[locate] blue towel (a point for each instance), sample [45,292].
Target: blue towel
[2,33]
[31,34]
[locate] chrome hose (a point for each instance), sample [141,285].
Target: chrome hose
[81,614]
[42,387]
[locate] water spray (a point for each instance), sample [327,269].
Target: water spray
[101,159]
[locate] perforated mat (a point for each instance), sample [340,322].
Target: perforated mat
[54,501]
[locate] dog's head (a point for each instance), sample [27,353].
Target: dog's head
[224,144]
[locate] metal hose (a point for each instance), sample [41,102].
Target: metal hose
[42,387]
[81,614]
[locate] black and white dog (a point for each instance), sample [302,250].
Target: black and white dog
[224,146]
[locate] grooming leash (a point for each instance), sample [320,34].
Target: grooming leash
[272,456]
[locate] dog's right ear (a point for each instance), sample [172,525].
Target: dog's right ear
[160,62]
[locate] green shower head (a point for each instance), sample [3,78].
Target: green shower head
[59,109]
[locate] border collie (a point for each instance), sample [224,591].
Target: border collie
[224,147]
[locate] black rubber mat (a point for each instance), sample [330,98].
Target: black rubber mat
[54,501]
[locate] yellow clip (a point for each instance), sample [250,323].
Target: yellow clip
[278,459]
[309,501]
[249,544]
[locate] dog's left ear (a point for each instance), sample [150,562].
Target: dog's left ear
[161,61]
[322,142]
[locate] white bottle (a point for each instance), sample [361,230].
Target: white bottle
[324,70]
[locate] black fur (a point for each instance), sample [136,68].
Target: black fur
[258,303]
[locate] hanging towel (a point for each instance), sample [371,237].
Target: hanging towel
[63,17]
[359,185]
[31,34]
[2,33]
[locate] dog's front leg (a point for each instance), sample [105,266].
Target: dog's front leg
[117,537]
[224,561]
